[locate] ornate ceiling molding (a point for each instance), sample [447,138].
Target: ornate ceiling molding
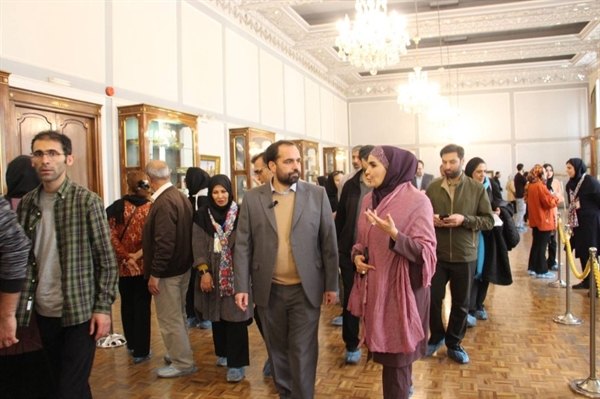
[276,39]
[477,80]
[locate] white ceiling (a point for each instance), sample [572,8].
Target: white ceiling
[484,43]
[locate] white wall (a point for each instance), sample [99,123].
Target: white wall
[180,55]
[503,127]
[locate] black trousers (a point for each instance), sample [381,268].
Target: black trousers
[135,313]
[537,254]
[71,352]
[479,291]
[551,260]
[350,325]
[189,296]
[460,275]
[231,341]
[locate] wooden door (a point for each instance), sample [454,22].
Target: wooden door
[31,113]
[77,128]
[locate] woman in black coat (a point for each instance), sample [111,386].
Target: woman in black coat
[583,192]
[496,244]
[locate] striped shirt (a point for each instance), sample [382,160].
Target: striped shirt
[14,246]
[87,259]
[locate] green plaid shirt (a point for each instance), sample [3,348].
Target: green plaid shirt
[87,258]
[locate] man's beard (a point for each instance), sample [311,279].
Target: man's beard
[288,179]
[453,174]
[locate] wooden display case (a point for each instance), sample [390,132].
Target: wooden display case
[309,151]
[244,144]
[147,133]
[334,158]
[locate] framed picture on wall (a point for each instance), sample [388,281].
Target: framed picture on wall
[211,164]
[490,173]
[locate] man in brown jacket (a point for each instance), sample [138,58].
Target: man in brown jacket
[166,242]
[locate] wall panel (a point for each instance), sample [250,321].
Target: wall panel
[294,100]
[381,122]
[241,77]
[202,60]
[42,33]
[312,107]
[144,57]
[271,91]
[341,121]
[327,116]
[547,114]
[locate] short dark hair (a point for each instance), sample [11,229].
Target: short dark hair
[453,148]
[257,156]
[497,173]
[53,135]
[421,162]
[365,151]
[520,167]
[272,152]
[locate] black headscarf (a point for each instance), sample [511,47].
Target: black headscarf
[196,179]
[21,177]
[401,166]
[322,181]
[580,169]
[472,165]
[549,179]
[219,213]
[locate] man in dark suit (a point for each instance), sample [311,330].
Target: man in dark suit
[167,247]
[421,180]
[286,244]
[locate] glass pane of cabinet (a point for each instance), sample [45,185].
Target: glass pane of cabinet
[173,143]
[334,158]
[240,153]
[245,143]
[309,151]
[132,142]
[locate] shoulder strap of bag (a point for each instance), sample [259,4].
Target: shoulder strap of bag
[127,225]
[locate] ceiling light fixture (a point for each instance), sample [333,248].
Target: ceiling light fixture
[376,40]
[418,94]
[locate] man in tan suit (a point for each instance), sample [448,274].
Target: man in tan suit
[286,244]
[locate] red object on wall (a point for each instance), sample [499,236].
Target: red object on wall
[110,91]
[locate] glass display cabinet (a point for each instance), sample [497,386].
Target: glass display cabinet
[334,158]
[309,151]
[147,133]
[244,143]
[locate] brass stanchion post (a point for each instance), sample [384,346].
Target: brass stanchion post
[590,387]
[559,283]
[568,318]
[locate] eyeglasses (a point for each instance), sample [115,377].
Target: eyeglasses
[258,171]
[51,154]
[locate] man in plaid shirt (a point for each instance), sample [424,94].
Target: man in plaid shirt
[72,272]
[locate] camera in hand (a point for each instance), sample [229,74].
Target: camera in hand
[444,216]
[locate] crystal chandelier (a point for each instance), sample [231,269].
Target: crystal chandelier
[376,40]
[418,95]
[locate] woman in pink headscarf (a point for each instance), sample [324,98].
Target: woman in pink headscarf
[395,260]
